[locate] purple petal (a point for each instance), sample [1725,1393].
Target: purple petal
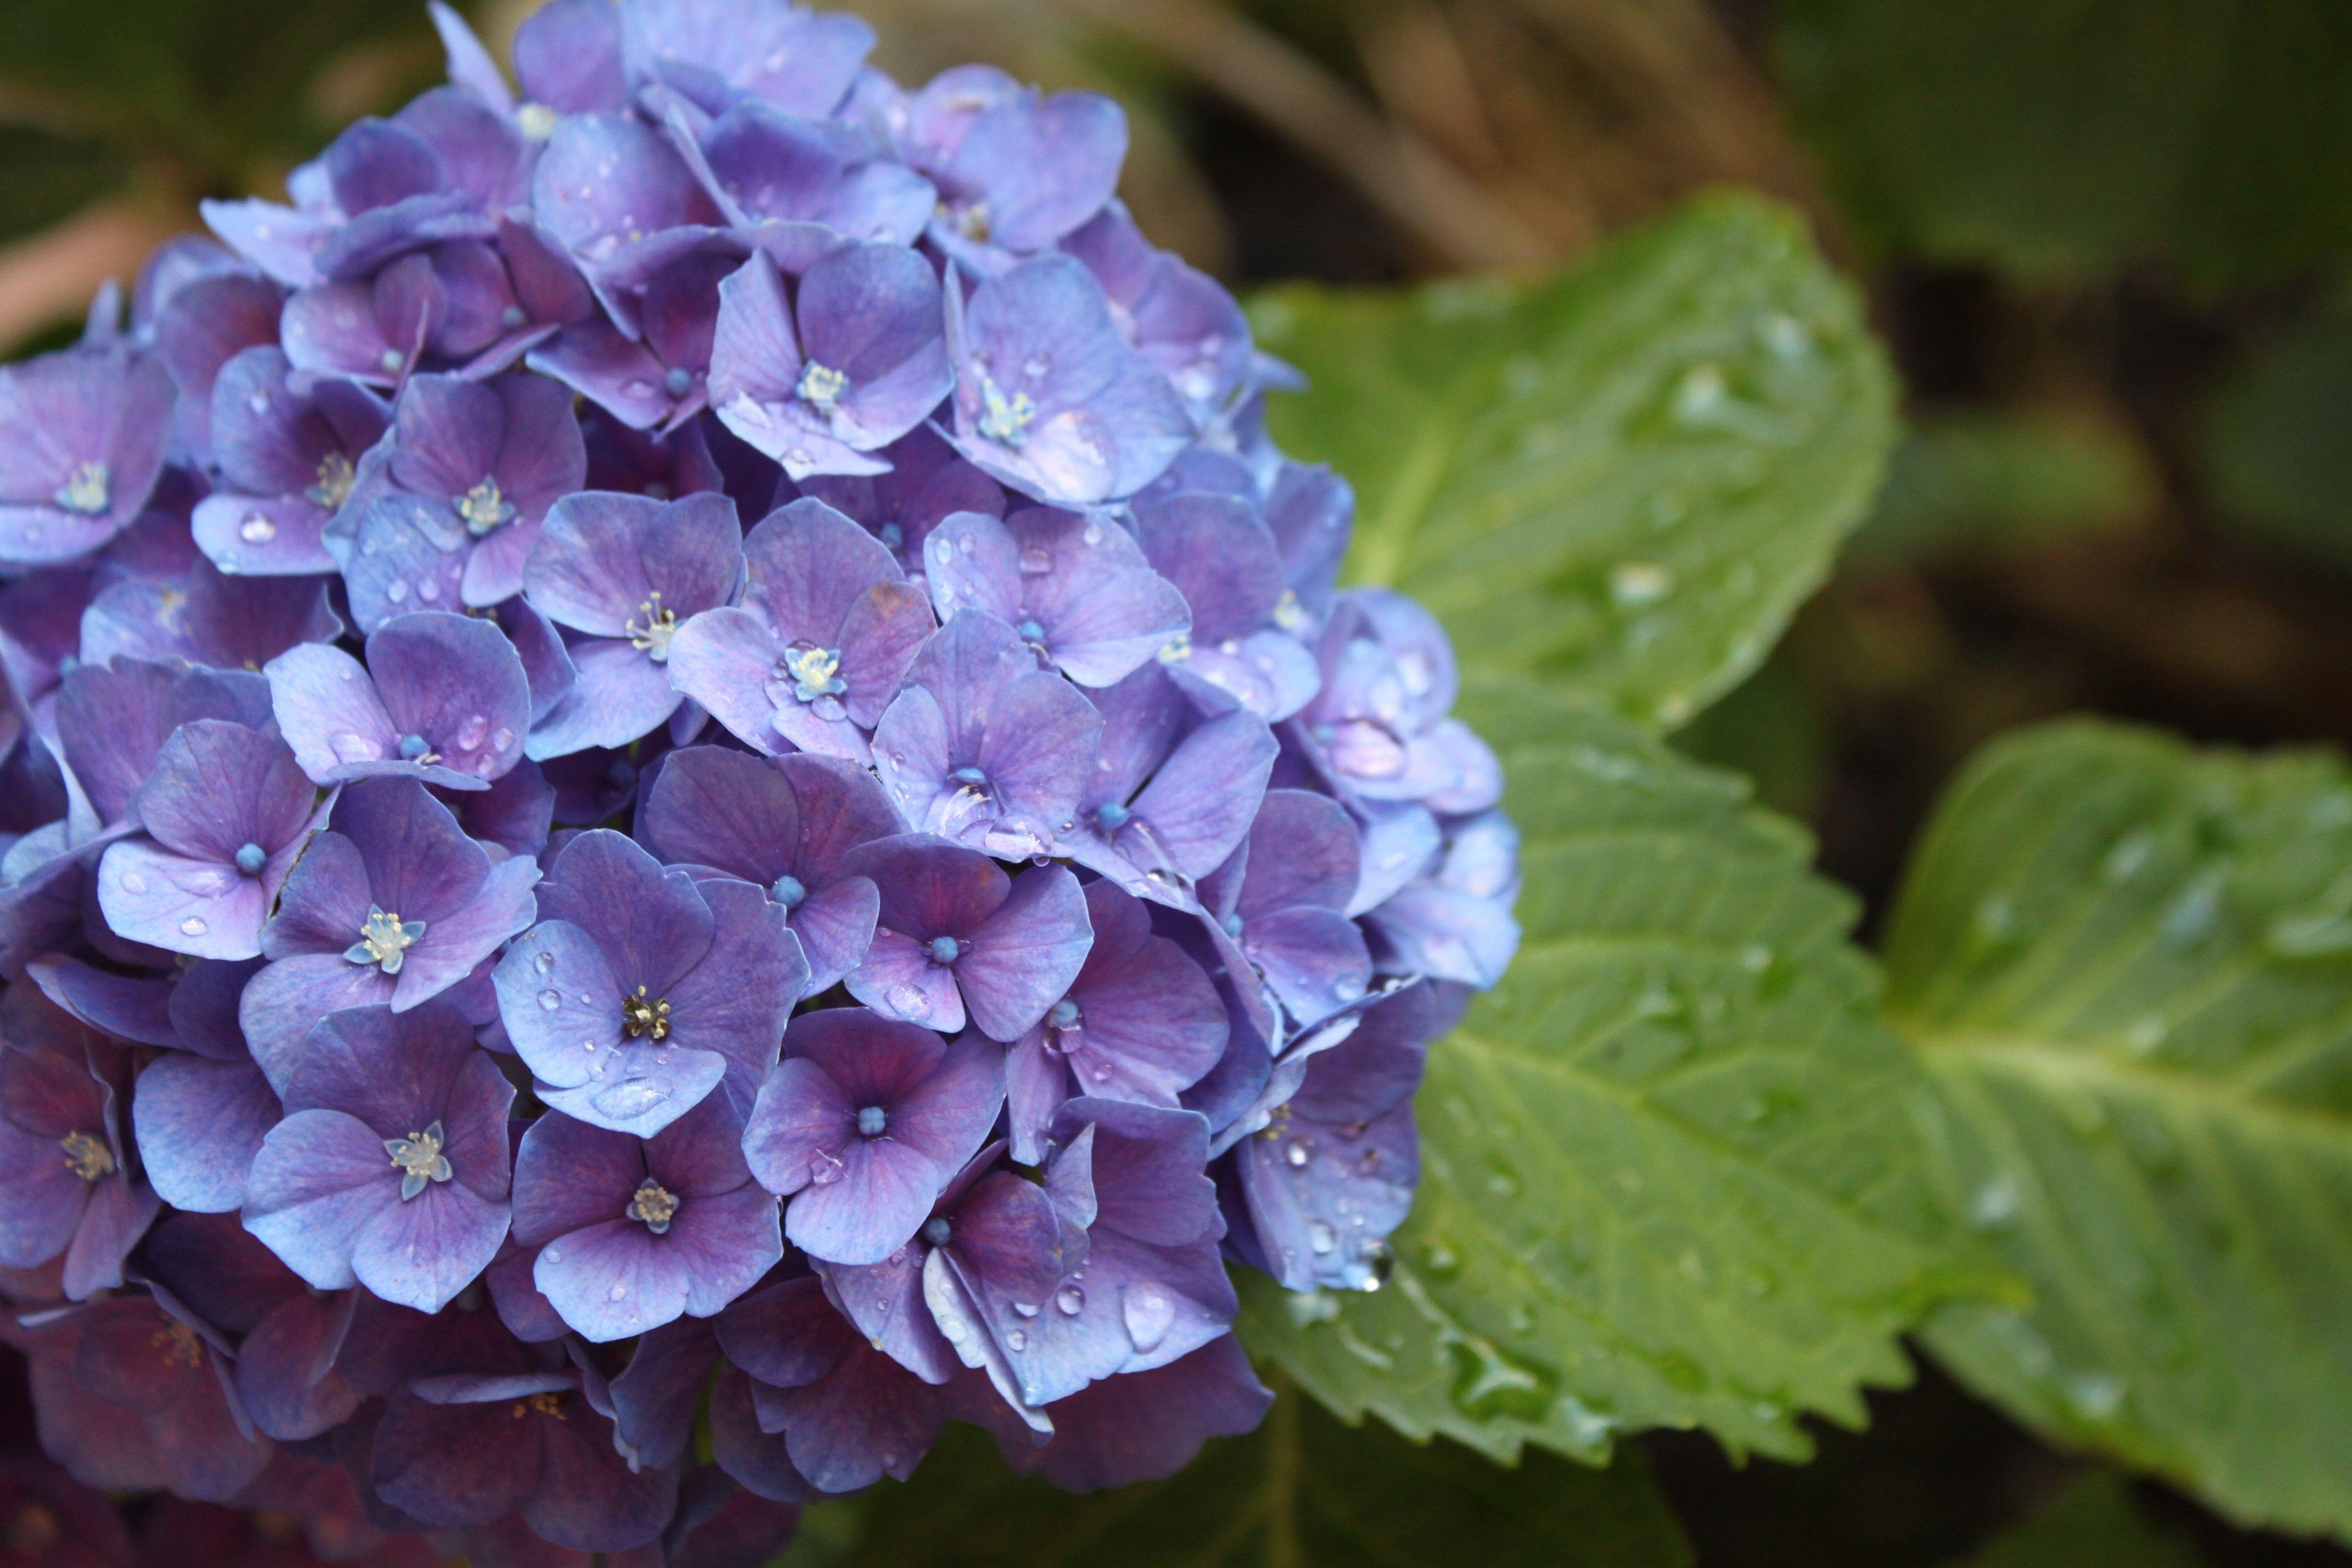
[200,1123]
[1023,956]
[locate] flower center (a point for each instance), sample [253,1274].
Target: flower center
[85,489]
[814,672]
[653,1206]
[936,1230]
[974,222]
[87,1157]
[1178,649]
[821,385]
[641,1017]
[419,1160]
[653,637]
[179,1345]
[484,508]
[418,748]
[872,1122]
[336,477]
[945,950]
[1065,1014]
[1111,815]
[549,1404]
[1003,420]
[536,121]
[384,941]
[788,890]
[251,857]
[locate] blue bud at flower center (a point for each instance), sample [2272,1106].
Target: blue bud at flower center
[1064,1014]
[788,891]
[872,1121]
[892,535]
[969,776]
[513,316]
[414,748]
[251,857]
[1111,816]
[1031,631]
[936,1231]
[945,950]
[1232,924]
[678,381]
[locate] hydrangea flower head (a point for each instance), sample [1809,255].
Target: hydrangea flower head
[679,763]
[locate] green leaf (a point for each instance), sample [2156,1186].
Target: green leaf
[1624,479]
[2061,140]
[2129,966]
[2274,448]
[2091,1524]
[1303,1491]
[1670,1166]
[2011,478]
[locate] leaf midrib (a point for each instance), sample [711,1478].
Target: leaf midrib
[2052,1064]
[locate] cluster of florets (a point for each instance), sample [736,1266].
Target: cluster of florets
[679,763]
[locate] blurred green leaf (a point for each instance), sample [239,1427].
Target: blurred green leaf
[2129,966]
[2009,478]
[2091,1524]
[2060,141]
[1671,1166]
[1303,1491]
[51,177]
[2278,445]
[1624,479]
[216,85]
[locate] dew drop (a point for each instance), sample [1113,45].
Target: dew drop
[1015,1339]
[546,961]
[905,998]
[396,591]
[1034,561]
[132,882]
[1295,1154]
[549,999]
[1025,1309]
[1321,1237]
[257,529]
[194,926]
[1147,1312]
[1070,1299]
[553,1255]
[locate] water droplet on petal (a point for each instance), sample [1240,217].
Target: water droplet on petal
[396,591]
[1016,1341]
[1070,1299]
[257,529]
[1147,1312]
[132,882]
[1321,1237]
[194,926]
[549,999]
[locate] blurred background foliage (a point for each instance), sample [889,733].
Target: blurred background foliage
[2106,240]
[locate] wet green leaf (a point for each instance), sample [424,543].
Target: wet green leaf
[1624,479]
[1303,1491]
[1671,1165]
[2128,964]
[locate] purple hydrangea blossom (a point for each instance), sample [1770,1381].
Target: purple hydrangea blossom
[861,1125]
[632,1232]
[1050,399]
[391,1168]
[287,455]
[443,698]
[76,1193]
[393,904]
[851,361]
[1140,1022]
[624,572]
[227,810]
[810,658]
[957,938]
[982,746]
[1076,589]
[82,438]
[784,824]
[641,990]
[372,582]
